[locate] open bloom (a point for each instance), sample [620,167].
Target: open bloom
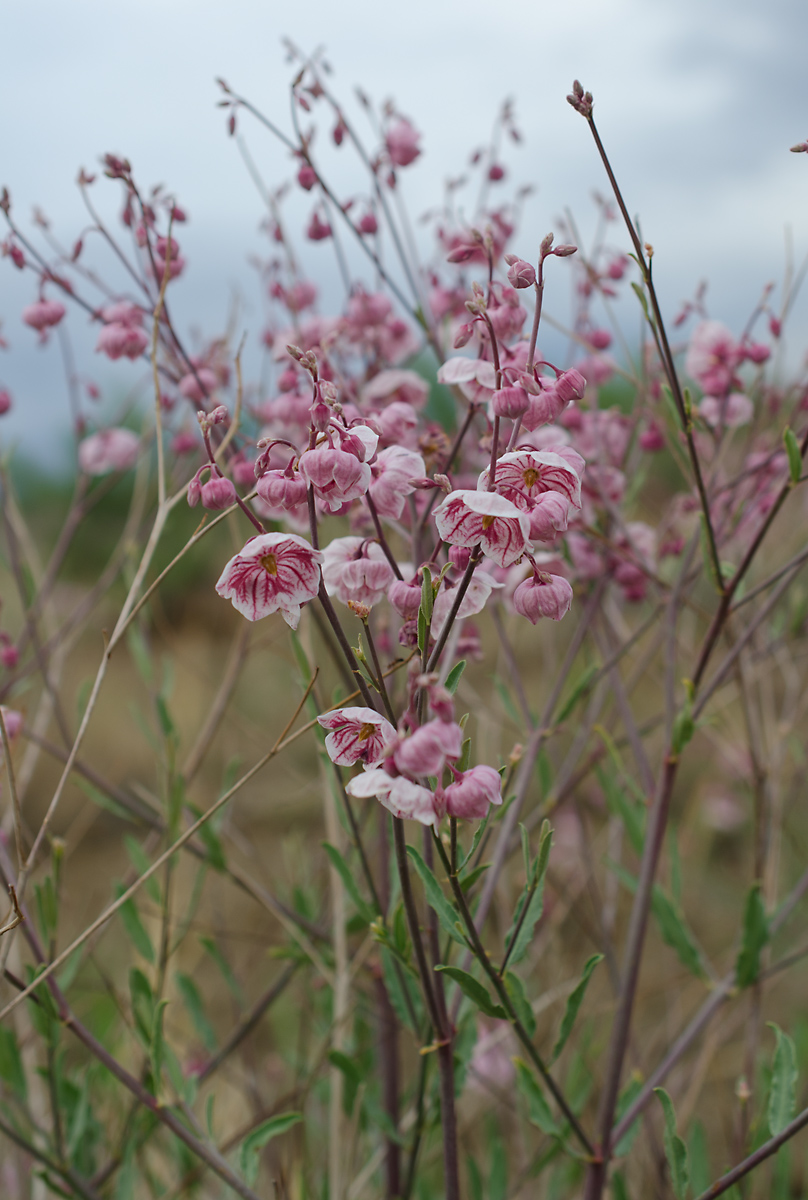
[426,750]
[356,569]
[526,474]
[356,735]
[400,795]
[393,472]
[469,518]
[402,143]
[472,792]
[274,572]
[43,313]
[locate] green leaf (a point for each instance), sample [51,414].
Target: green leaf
[134,926]
[579,690]
[141,862]
[626,1099]
[254,1142]
[475,1180]
[196,1009]
[167,727]
[675,932]
[698,1156]
[574,1001]
[533,897]
[447,914]
[157,1048]
[427,594]
[142,999]
[475,991]
[515,989]
[621,805]
[453,678]
[224,967]
[11,1068]
[475,841]
[675,1149]
[498,1176]
[782,1097]
[640,294]
[422,628]
[353,1077]
[754,938]
[399,988]
[793,451]
[539,1112]
[348,882]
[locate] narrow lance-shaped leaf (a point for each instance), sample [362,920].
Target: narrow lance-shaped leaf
[782,1098]
[475,991]
[157,1048]
[521,931]
[574,1001]
[348,882]
[538,1109]
[255,1142]
[453,678]
[793,451]
[675,1149]
[516,991]
[447,914]
[754,938]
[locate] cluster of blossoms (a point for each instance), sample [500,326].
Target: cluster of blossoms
[518,495]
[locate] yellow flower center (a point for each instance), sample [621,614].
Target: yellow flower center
[366,731]
[488,521]
[530,475]
[270,564]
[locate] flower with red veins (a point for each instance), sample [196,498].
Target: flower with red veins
[471,793]
[109,450]
[117,340]
[712,356]
[467,518]
[394,471]
[43,314]
[728,412]
[549,516]
[525,475]
[396,384]
[355,569]
[474,600]
[401,140]
[356,735]
[337,476]
[198,385]
[274,572]
[401,796]
[425,752]
[543,595]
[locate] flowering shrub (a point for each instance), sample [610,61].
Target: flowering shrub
[402,465]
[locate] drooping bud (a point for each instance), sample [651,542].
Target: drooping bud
[510,402]
[521,274]
[307,177]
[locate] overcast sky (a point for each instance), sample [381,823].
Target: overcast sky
[697,100]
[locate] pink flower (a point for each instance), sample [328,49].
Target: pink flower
[510,402]
[13,722]
[712,356]
[475,377]
[44,313]
[474,601]
[401,796]
[282,489]
[472,792]
[317,229]
[520,273]
[405,598]
[426,750]
[398,425]
[402,143]
[543,596]
[549,516]
[109,450]
[356,569]
[393,473]
[398,384]
[218,492]
[336,475]
[356,735]
[469,518]
[5,401]
[526,474]
[274,571]
[199,385]
[730,411]
[118,340]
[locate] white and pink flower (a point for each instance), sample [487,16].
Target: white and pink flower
[275,572]
[356,735]
[543,595]
[109,450]
[471,518]
[527,474]
[356,570]
[394,472]
[401,796]
[471,793]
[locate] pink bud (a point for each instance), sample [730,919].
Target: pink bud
[402,143]
[510,402]
[368,223]
[9,657]
[464,335]
[317,229]
[307,177]
[218,492]
[496,172]
[459,557]
[472,792]
[543,596]
[184,442]
[775,327]
[43,314]
[194,493]
[651,439]
[5,401]
[570,385]
[405,598]
[756,352]
[520,273]
[198,386]
[599,339]
[564,251]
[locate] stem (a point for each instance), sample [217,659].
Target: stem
[766,1150]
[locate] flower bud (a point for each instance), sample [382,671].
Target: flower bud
[464,335]
[194,493]
[5,401]
[368,224]
[510,402]
[543,596]
[521,274]
[307,177]
[564,251]
[218,492]
[570,385]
